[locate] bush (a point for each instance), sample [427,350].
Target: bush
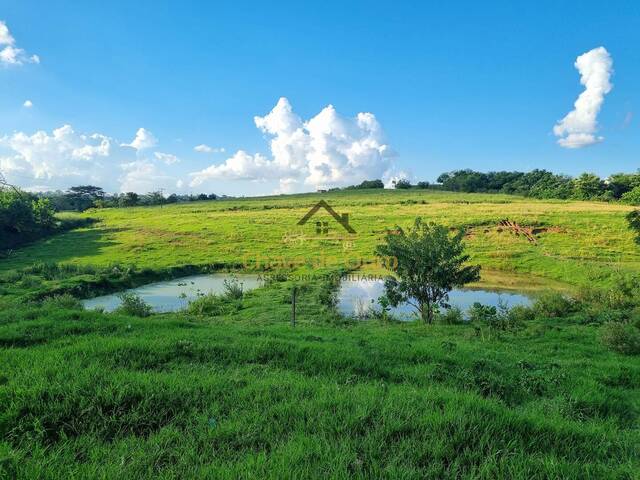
[233,289]
[621,337]
[633,219]
[451,316]
[132,304]
[521,313]
[403,184]
[482,313]
[553,305]
[632,197]
[210,304]
[63,301]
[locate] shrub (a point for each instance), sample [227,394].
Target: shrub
[632,197]
[63,301]
[482,313]
[210,304]
[132,304]
[521,313]
[553,305]
[621,337]
[451,316]
[403,184]
[233,289]
[633,219]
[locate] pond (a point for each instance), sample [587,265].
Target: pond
[356,296]
[173,295]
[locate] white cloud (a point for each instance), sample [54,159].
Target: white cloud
[27,104]
[10,54]
[5,36]
[578,129]
[144,139]
[325,151]
[241,166]
[167,158]
[144,176]
[63,158]
[207,149]
[63,155]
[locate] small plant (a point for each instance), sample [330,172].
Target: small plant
[209,304]
[385,308]
[633,219]
[451,316]
[621,337]
[521,313]
[553,305]
[132,304]
[233,288]
[482,313]
[62,301]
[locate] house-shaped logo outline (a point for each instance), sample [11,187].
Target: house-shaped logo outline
[341,219]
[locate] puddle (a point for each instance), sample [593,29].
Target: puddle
[173,295]
[357,296]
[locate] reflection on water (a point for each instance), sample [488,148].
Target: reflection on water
[356,296]
[173,295]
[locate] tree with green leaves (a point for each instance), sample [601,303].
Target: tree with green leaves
[402,184]
[587,186]
[429,263]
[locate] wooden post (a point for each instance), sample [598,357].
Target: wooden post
[293,306]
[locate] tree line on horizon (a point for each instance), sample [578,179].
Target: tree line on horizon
[536,183]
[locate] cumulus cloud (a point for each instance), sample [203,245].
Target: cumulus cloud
[578,129]
[325,151]
[167,158]
[65,157]
[144,176]
[63,154]
[9,53]
[5,35]
[27,104]
[203,148]
[143,140]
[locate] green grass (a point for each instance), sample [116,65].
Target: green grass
[243,394]
[91,395]
[584,242]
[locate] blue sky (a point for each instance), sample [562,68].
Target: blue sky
[463,85]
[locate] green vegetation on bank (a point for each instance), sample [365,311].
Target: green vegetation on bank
[25,218]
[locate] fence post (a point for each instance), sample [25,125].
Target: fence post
[293,306]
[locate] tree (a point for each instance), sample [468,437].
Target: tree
[128,199]
[429,264]
[82,197]
[621,183]
[587,186]
[423,185]
[632,197]
[402,184]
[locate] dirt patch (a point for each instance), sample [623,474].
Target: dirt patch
[530,233]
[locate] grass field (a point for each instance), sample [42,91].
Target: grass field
[242,394]
[584,242]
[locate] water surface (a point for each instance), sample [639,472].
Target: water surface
[172,295]
[355,296]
